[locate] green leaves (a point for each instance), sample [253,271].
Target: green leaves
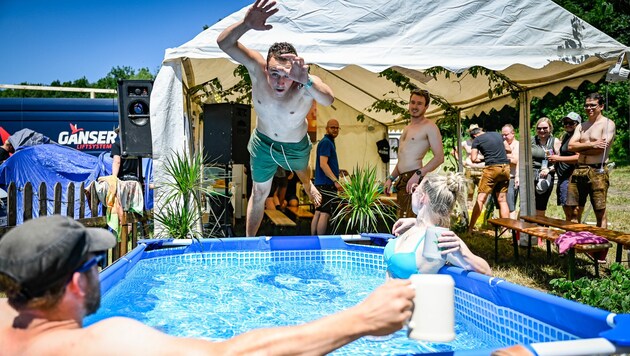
[611,293]
[181,193]
[360,209]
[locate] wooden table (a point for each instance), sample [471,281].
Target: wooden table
[546,233]
[622,239]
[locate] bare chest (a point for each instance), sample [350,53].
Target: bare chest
[290,109]
[592,131]
[413,136]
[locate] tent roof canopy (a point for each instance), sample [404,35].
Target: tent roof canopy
[536,43]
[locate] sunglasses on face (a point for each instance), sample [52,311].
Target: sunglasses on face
[90,263]
[542,128]
[590,106]
[569,123]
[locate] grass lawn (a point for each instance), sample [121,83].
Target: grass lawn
[538,271]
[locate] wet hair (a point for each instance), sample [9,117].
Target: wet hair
[443,191]
[596,96]
[423,93]
[548,121]
[279,48]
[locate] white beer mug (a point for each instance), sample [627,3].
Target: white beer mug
[433,318]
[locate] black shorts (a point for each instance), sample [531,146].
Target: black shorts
[330,199]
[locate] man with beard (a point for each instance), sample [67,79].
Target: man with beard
[282,94]
[48,272]
[326,178]
[417,138]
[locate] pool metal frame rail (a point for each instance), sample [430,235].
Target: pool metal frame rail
[582,329]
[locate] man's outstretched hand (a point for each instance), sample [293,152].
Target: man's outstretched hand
[257,15]
[298,71]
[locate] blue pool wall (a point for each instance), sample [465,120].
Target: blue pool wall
[577,319]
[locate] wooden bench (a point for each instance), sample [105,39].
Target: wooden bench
[302,217]
[622,239]
[279,220]
[299,212]
[549,235]
[516,226]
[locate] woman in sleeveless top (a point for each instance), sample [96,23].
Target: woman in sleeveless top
[565,163]
[543,146]
[432,201]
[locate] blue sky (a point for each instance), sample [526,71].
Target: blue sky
[46,40]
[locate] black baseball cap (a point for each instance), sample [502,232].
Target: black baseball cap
[41,253]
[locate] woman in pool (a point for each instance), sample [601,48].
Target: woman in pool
[432,201]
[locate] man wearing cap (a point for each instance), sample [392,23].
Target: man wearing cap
[592,140]
[48,271]
[496,173]
[417,138]
[565,164]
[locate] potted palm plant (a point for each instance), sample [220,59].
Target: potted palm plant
[360,209]
[181,214]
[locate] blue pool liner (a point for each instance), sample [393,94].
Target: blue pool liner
[573,318]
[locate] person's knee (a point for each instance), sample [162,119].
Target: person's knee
[260,193]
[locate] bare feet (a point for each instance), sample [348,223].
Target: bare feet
[314,195]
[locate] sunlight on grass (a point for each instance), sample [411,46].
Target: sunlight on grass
[538,271]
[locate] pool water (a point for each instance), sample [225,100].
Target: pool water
[217,298]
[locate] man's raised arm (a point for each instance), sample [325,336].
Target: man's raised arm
[255,19]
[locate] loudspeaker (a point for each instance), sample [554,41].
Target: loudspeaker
[134,117]
[226,130]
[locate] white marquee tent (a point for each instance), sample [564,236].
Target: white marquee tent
[537,44]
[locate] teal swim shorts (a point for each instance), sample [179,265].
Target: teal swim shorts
[268,154]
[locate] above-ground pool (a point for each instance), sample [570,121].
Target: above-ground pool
[220,288]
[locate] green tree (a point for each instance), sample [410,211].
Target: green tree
[110,81]
[609,16]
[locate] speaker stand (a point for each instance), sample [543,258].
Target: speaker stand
[226,227]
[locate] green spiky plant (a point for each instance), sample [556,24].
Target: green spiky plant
[360,209]
[181,214]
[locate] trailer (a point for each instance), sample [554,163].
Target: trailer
[83,124]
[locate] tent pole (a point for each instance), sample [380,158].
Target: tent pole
[525,173]
[460,160]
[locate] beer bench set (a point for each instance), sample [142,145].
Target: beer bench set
[622,239]
[280,221]
[549,229]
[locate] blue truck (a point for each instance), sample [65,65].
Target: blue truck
[84,124]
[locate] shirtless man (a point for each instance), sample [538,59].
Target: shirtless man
[49,300]
[417,138]
[507,131]
[282,93]
[592,140]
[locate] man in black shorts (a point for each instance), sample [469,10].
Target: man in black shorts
[326,178]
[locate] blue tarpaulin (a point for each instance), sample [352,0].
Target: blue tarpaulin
[51,164]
